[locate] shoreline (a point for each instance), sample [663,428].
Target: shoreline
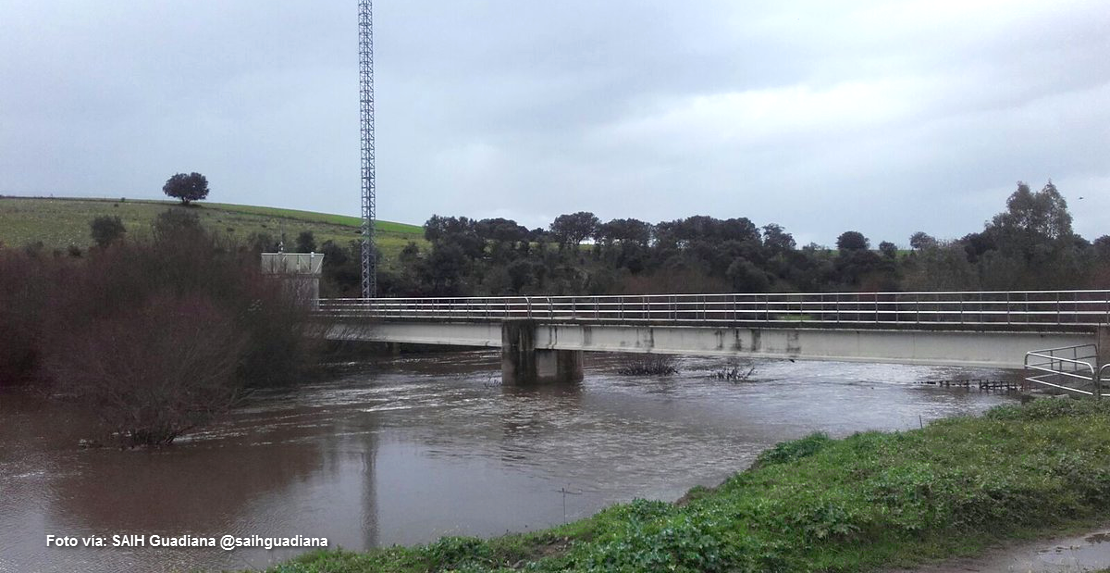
[871,501]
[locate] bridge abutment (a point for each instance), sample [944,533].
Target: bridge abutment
[522,363]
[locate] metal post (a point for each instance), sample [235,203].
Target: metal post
[366,126]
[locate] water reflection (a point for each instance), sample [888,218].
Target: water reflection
[428,446]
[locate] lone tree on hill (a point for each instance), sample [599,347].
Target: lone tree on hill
[191,187]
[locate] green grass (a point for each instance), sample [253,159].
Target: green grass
[59,223]
[873,500]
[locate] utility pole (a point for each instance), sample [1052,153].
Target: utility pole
[366,99]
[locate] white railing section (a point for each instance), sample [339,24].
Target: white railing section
[1069,368]
[1075,308]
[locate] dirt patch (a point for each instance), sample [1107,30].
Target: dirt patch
[1073,554]
[1098,538]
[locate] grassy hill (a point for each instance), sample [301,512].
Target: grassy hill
[59,223]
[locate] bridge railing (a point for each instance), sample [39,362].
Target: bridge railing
[1069,368]
[995,308]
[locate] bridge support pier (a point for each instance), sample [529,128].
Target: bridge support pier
[522,363]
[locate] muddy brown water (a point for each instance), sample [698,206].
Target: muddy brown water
[418,448]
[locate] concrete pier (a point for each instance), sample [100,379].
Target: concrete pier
[522,363]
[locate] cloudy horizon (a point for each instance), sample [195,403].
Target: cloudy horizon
[886,118]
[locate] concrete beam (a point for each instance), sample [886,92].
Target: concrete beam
[992,349]
[932,347]
[476,334]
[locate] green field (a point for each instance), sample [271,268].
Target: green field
[59,223]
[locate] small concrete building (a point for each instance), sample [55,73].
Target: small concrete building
[300,273]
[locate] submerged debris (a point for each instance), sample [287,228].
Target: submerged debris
[980,383]
[648,365]
[735,373]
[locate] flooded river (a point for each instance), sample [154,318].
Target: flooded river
[417,448]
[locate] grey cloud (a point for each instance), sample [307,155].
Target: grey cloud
[882,117]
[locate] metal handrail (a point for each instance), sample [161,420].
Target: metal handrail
[1055,359]
[1074,347]
[1076,308]
[1037,380]
[761,294]
[1053,366]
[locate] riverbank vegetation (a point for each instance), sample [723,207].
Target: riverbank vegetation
[870,501]
[1029,245]
[157,335]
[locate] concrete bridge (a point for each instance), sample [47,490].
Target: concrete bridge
[542,338]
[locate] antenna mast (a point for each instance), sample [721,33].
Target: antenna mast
[366,91]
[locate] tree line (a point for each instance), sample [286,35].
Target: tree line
[1029,245]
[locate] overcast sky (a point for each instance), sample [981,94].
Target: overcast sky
[883,117]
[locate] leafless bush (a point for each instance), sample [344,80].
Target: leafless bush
[183,261]
[648,365]
[736,372]
[156,371]
[158,336]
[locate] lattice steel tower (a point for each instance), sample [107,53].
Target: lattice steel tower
[366,91]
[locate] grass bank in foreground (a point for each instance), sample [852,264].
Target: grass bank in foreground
[816,504]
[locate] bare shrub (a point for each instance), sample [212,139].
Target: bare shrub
[156,336]
[648,365]
[183,261]
[735,371]
[156,371]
